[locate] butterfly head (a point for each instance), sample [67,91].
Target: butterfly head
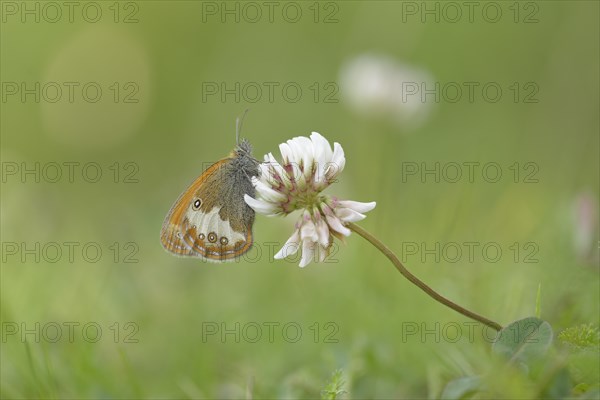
[244,160]
[243,148]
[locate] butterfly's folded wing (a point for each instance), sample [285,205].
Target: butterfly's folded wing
[220,228]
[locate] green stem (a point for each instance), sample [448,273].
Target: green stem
[406,273]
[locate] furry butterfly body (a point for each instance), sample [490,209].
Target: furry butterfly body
[210,219]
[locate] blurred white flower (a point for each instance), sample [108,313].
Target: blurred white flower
[308,166]
[378,85]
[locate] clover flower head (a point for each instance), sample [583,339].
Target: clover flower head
[308,166]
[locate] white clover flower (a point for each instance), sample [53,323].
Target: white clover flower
[309,165]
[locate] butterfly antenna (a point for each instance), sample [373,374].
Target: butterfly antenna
[238,126]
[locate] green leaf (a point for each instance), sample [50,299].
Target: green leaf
[524,340]
[461,388]
[560,385]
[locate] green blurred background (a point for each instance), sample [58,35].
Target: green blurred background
[175,129]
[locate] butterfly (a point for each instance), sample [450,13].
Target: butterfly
[210,219]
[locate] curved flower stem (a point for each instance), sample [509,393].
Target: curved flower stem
[392,257]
